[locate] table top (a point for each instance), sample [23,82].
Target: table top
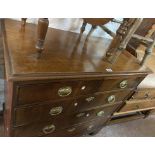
[64,54]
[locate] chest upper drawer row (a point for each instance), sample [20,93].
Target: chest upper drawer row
[41,92]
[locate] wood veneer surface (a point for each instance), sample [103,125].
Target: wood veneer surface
[62,55]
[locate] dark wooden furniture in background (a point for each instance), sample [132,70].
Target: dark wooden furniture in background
[142,102]
[142,30]
[65,92]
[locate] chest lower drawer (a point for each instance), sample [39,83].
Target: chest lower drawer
[49,129]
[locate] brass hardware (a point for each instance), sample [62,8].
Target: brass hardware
[87,115]
[100,113]
[111,99]
[71,129]
[56,111]
[90,99]
[83,87]
[75,104]
[123,84]
[64,91]
[80,114]
[49,129]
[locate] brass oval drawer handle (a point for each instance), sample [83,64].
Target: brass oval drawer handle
[111,99]
[80,114]
[88,99]
[83,87]
[49,129]
[64,91]
[56,111]
[100,113]
[123,84]
[71,129]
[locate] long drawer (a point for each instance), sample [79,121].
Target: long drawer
[44,129]
[28,93]
[135,106]
[43,113]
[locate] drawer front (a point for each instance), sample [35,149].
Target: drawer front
[144,94]
[42,112]
[41,92]
[49,129]
[29,115]
[136,106]
[120,83]
[99,99]
[34,93]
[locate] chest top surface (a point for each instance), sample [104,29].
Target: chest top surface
[64,54]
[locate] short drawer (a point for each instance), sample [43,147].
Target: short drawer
[143,93]
[99,99]
[135,106]
[49,129]
[120,83]
[42,113]
[35,93]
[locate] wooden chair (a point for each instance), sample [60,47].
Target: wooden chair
[94,22]
[124,34]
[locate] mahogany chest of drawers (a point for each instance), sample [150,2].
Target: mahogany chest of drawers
[69,90]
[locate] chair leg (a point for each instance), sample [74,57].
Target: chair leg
[23,22]
[42,30]
[91,31]
[83,27]
[148,52]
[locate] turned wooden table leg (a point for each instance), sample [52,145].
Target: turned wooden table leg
[42,30]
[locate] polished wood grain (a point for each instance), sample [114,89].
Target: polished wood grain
[59,49]
[33,84]
[41,92]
